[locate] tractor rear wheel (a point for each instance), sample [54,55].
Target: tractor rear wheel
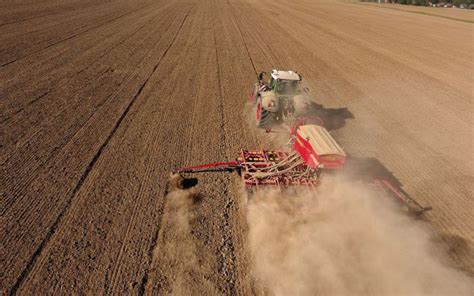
[264,117]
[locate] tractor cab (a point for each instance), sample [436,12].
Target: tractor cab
[284,82]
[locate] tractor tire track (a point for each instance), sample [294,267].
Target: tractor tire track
[113,96]
[132,221]
[34,203]
[63,81]
[69,37]
[82,179]
[90,214]
[78,201]
[70,200]
[236,21]
[256,68]
[62,11]
[125,81]
[227,258]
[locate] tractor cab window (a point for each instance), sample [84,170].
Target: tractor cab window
[287,86]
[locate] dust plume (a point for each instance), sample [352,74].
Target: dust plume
[346,240]
[279,134]
[176,249]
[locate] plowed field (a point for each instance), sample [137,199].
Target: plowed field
[100,100]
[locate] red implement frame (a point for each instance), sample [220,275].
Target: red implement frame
[278,169]
[400,195]
[264,168]
[275,168]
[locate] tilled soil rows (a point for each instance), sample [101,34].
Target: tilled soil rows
[101,100]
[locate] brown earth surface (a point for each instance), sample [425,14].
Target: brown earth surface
[100,100]
[464,15]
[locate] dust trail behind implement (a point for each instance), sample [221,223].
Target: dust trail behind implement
[178,251]
[347,240]
[102,99]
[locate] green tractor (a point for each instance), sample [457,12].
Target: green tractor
[279,98]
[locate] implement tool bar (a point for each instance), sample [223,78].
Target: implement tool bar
[210,167]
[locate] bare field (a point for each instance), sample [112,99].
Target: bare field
[465,15]
[100,100]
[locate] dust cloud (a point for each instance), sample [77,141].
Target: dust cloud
[177,249]
[279,134]
[346,240]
